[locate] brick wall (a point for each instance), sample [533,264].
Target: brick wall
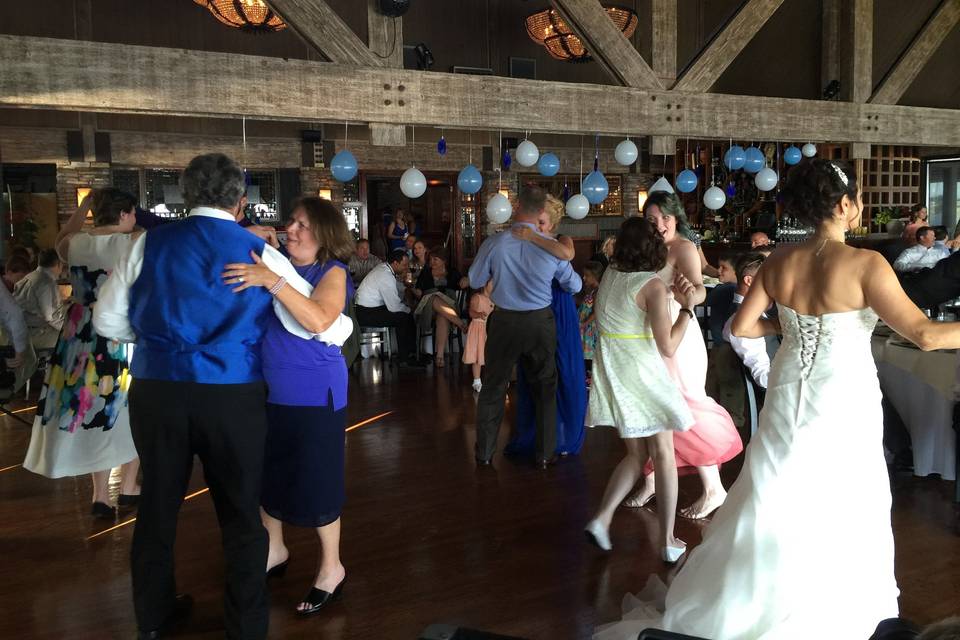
[80,174]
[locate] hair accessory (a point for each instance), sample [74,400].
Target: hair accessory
[275,289]
[840,174]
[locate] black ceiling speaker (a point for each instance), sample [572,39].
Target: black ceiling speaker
[394,8]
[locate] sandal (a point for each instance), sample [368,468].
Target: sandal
[317,598]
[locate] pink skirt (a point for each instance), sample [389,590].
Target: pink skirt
[476,342]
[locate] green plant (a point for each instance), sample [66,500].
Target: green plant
[883,216]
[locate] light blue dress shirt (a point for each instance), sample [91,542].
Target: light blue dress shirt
[522,272]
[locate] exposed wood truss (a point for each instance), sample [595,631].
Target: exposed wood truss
[905,71]
[88,76]
[728,44]
[385,35]
[664,51]
[608,46]
[319,24]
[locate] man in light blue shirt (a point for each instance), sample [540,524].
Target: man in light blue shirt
[521,328]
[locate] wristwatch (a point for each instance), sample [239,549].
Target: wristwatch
[689,312]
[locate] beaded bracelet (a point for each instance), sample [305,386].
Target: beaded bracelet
[275,289]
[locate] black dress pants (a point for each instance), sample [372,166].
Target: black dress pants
[225,426]
[399,320]
[531,338]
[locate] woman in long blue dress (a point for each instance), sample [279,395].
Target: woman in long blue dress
[571,373]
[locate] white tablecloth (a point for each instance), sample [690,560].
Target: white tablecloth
[920,385]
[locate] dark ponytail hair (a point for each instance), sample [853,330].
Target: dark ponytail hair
[814,187]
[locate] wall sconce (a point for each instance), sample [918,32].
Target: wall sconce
[82,192]
[326,194]
[641,199]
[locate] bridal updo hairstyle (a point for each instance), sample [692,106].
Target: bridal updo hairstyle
[639,247]
[108,203]
[814,187]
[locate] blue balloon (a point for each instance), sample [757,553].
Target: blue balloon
[686,181]
[469,181]
[344,166]
[548,165]
[506,160]
[442,146]
[731,190]
[755,160]
[735,157]
[595,187]
[792,155]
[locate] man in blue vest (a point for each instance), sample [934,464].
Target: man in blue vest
[197,390]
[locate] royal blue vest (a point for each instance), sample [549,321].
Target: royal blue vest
[190,326]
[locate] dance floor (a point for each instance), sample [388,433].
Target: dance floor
[426,536]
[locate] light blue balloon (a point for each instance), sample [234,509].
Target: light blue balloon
[755,160]
[792,155]
[686,181]
[735,157]
[344,166]
[548,165]
[595,187]
[469,181]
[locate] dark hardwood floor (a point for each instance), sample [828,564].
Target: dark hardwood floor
[426,536]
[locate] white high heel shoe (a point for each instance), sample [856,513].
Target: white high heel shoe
[672,554]
[598,535]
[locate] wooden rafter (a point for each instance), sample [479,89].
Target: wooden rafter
[664,50]
[861,62]
[608,46]
[73,75]
[385,36]
[728,44]
[905,71]
[319,25]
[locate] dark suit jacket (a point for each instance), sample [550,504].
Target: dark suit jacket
[930,287]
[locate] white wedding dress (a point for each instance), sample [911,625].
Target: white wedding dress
[803,546]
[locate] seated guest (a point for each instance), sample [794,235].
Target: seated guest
[918,220]
[379,305]
[719,301]
[437,286]
[14,326]
[759,239]
[923,255]
[417,252]
[934,286]
[39,297]
[940,240]
[726,270]
[755,353]
[362,262]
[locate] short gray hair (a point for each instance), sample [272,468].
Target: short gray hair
[212,180]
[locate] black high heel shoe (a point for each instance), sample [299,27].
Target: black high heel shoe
[278,570]
[103,511]
[317,598]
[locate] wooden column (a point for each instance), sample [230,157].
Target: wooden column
[664,54]
[385,37]
[861,63]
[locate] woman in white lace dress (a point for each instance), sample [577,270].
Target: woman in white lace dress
[632,389]
[777,563]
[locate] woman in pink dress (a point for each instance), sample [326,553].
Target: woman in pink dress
[713,439]
[480,307]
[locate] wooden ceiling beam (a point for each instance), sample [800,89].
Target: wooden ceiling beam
[317,23]
[606,43]
[385,37]
[905,71]
[663,45]
[73,75]
[714,60]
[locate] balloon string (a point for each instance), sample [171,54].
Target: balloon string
[346,130]
[413,136]
[500,164]
[581,164]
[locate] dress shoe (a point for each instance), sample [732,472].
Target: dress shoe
[598,535]
[103,511]
[543,463]
[278,570]
[317,598]
[672,554]
[483,462]
[182,608]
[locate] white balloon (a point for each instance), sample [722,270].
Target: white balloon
[499,209]
[809,150]
[661,185]
[527,154]
[412,183]
[766,179]
[626,153]
[578,207]
[714,198]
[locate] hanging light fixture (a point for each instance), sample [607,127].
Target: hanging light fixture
[549,29]
[253,16]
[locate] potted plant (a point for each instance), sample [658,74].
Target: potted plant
[883,219]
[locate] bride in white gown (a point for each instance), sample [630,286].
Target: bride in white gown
[778,561]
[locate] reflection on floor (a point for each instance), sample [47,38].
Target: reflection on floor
[427,537]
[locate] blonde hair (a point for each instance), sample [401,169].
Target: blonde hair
[554,209]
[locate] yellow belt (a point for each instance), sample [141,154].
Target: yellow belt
[627,336]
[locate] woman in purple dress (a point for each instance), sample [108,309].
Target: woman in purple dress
[306,406]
